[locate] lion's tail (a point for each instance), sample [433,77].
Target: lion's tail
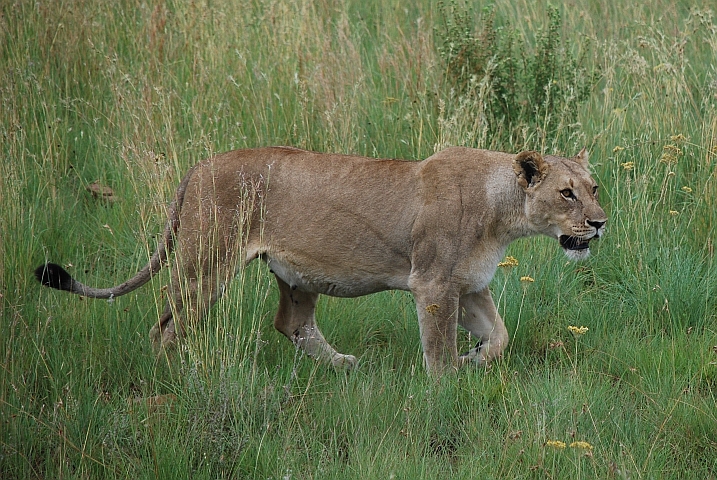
[54,276]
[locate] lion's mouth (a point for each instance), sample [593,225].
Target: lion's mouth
[569,242]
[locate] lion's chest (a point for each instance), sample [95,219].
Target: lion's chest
[476,271]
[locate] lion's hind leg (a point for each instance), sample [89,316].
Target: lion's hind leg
[295,319]
[163,334]
[188,301]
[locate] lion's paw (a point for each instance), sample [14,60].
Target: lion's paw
[473,355]
[346,362]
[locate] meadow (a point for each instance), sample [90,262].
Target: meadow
[128,95]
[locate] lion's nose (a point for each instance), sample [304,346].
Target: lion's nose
[596,225]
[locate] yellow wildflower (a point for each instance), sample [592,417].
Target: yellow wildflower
[432,309]
[670,154]
[583,445]
[578,330]
[686,189]
[555,444]
[674,213]
[617,148]
[509,262]
[628,165]
[527,279]
[678,138]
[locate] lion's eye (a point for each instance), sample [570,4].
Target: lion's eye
[567,193]
[595,191]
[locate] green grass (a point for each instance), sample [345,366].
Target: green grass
[131,95]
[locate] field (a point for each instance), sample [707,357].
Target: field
[128,95]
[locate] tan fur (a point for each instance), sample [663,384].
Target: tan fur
[348,226]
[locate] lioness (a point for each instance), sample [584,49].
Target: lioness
[348,226]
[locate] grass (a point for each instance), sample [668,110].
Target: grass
[131,94]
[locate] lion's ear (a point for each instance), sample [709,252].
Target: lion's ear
[530,168]
[582,158]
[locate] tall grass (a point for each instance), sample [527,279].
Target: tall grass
[130,94]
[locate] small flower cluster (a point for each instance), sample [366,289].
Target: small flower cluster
[509,262]
[432,309]
[561,445]
[527,279]
[578,330]
[625,165]
[670,154]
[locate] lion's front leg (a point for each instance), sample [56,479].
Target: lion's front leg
[479,316]
[295,319]
[437,308]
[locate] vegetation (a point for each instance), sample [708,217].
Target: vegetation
[513,92]
[129,94]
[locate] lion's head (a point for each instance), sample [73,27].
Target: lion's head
[562,199]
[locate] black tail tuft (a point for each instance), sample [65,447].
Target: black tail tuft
[54,276]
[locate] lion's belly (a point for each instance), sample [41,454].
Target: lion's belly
[334,280]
